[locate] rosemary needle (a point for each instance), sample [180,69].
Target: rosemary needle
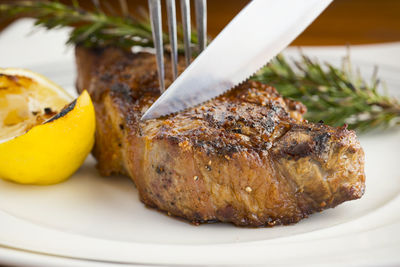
[330,94]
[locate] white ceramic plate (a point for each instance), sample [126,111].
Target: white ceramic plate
[101,218]
[94,221]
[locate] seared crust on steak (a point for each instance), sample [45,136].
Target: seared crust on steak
[247,157]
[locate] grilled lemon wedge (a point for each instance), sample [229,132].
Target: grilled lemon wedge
[44,135]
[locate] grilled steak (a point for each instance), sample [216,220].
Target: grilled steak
[247,157]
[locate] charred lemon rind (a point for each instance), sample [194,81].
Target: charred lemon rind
[63,112]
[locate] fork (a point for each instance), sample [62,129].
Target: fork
[156,26]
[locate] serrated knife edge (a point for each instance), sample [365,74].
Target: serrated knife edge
[237,53]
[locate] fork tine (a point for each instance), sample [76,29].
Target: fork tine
[185,8]
[173,36]
[155,18]
[201,23]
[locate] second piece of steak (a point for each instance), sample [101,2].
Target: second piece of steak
[247,157]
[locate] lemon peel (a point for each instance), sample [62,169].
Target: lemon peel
[53,150]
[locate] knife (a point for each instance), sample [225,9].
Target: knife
[257,34]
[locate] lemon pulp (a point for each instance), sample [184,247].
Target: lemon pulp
[26,101]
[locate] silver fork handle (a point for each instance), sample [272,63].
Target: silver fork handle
[173,36]
[156,25]
[155,18]
[185,8]
[201,23]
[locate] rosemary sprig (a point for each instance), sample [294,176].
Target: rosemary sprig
[90,28]
[332,95]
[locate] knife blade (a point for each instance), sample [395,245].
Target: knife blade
[257,34]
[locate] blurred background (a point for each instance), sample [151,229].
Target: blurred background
[344,22]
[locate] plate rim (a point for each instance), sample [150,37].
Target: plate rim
[316,239]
